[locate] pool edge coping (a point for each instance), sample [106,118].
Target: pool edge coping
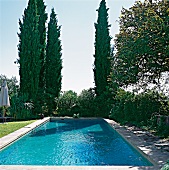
[7,140]
[154,155]
[12,137]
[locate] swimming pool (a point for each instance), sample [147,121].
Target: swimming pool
[78,142]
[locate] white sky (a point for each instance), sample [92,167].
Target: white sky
[77,18]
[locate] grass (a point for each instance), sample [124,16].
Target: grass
[10,127]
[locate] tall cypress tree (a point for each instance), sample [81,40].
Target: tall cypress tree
[42,32]
[29,52]
[102,63]
[53,61]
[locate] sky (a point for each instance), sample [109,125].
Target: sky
[77,18]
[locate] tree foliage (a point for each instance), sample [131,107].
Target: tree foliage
[65,102]
[53,61]
[142,43]
[20,108]
[42,32]
[29,52]
[40,100]
[86,103]
[130,108]
[102,54]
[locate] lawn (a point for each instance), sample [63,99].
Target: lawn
[10,127]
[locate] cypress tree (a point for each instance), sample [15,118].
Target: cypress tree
[53,61]
[102,63]
[42,32]
[29,52]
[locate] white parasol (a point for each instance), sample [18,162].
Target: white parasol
[4,97]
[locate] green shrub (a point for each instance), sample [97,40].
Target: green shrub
[166,166]
[21,108]
[138,109]
[162,127]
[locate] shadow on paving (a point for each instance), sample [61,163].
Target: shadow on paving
[147,143]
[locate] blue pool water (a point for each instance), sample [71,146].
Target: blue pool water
[72,142]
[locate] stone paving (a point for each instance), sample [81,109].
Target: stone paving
[151,147]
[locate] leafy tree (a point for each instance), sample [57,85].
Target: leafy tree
[142,44]
[65,102]
[86,102]
[53,61]
[113,85]
[102,54]
[29,50]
